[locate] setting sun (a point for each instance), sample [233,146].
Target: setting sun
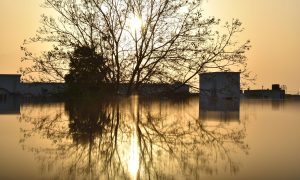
[135,23]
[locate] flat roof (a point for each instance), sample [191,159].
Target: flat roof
[219,73]
[10,74]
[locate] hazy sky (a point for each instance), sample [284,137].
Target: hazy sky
[273,26]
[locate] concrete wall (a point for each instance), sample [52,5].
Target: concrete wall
[220,92]
[265,94]
[163,88]
[159,88]
[224,85]
[40,89]
[9,82]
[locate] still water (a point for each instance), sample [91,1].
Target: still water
[134,138]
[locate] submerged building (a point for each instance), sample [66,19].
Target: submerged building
[10,84]
[220,85]
[275,93]
[157,89]
[220,95]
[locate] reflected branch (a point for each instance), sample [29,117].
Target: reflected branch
[95,139]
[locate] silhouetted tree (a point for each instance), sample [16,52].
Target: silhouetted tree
[142,41]
[88,70]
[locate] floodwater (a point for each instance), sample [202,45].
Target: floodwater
[134,138]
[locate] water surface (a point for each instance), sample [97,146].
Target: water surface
[134,138]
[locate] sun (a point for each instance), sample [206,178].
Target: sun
[135,23]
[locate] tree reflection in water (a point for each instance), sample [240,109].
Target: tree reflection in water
[129,138]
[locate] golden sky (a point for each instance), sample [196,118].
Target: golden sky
[273,27]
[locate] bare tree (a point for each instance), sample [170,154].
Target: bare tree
[143,41]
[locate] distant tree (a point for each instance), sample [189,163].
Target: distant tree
[142,41]
[88,70]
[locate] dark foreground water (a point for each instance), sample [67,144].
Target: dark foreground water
[135,138]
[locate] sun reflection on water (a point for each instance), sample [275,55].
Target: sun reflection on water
[134,161]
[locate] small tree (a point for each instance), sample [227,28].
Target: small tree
[88,70]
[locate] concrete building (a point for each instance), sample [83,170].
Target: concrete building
[275,93]
[157,88]
[220,94]
[10,84]
[220,85]
[40,89]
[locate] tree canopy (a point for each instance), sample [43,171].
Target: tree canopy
[141,41]
[88,70]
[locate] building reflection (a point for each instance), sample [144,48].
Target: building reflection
[9,104]
[129,138]
[277,104]
[225,110]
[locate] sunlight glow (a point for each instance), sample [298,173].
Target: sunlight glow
[133,162]
[184,10]
[135,23]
